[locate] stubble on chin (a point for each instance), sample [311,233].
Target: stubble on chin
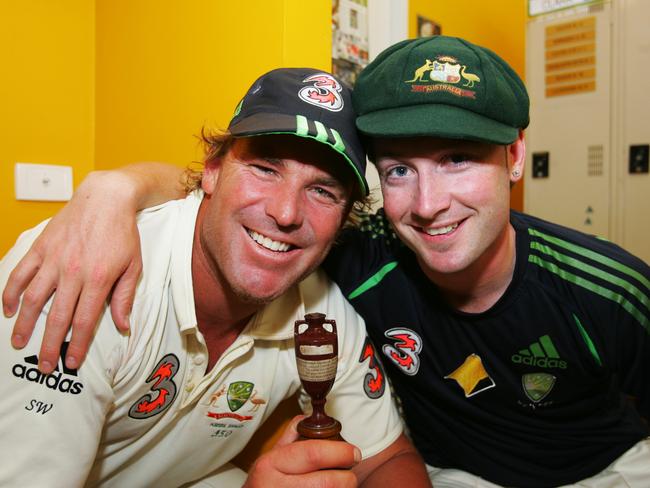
[248,297]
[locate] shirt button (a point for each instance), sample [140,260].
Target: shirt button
[189,387]
[199,359]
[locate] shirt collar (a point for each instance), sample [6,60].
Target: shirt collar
[182,290]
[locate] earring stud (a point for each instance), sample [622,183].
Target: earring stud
[516,173]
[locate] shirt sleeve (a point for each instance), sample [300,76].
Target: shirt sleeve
[632,326]
[360,398]
[50,425]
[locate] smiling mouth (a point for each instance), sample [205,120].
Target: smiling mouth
[439,231]
[268,243]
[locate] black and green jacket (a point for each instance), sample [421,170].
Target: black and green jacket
[545,388]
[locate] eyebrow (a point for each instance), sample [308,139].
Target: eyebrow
[392,156]
[467,148]
[273,161]
[331,182]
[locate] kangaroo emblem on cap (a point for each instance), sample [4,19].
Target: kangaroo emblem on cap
[444,74]
[419,73]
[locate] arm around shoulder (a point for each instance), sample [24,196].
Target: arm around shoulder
[88,250]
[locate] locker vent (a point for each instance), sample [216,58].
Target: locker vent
[595,160]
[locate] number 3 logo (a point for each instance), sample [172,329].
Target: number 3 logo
[405,353]
[325,92]
[149,405]
[374,384]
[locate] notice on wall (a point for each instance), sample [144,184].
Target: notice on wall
[349,38]
[570,56]
[539,7]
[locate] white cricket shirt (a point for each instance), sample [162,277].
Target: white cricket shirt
[142,410]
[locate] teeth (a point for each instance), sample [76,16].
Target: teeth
[441,230]
[269,243]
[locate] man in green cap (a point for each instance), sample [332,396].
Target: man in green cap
[518,347]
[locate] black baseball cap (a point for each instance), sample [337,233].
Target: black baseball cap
[304,102]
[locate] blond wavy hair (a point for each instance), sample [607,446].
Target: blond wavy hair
[215,145]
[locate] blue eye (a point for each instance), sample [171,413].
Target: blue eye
[398,171]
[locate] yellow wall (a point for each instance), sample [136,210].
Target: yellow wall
[99,84]
[47,54]
[500,26]
[160,71]
[166,68]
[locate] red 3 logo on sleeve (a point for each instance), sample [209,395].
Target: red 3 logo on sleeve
[374,382]
[163,391]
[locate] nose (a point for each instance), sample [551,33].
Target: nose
[285,206]
[431,197]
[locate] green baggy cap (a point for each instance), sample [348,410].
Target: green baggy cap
[444,87]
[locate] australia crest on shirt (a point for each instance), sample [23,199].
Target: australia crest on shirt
[231,405]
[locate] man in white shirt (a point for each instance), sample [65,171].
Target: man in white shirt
[226,272]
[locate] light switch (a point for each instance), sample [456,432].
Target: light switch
[639,158]
[45,182]
[540,164]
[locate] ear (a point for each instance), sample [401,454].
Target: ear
[210,175]
[517,157]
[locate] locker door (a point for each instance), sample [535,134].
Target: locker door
[631,81]
[568,77]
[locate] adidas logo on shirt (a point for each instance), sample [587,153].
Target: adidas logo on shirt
[541,353]
[55,380]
